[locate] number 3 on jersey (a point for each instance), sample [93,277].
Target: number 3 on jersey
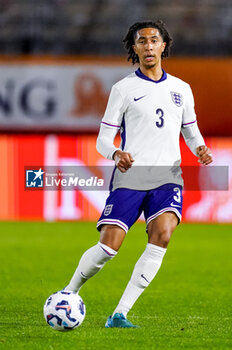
[160,114]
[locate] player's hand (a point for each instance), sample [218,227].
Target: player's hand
[204,154]
[123,160]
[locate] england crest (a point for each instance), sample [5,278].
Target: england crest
[108,209]
[177,98]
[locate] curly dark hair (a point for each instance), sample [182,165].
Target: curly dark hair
[129,39]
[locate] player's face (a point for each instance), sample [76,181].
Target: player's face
[149,46]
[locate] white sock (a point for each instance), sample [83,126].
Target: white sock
[90,263]
[144,271]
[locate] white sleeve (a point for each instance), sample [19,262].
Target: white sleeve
[114,109]
[189,115]
[110,124]
[105,141]
[192,137]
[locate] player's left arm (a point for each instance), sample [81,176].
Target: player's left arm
[191,132]
[204,154]
[196,143]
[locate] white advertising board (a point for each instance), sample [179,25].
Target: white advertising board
[55,97]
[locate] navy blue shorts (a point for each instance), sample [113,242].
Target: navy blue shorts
[124,206]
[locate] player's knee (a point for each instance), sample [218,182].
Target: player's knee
[161,237]
[112,236]
[165,238]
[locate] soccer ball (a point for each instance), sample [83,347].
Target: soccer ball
[64,311]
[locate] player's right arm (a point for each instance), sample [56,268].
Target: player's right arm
[123,160]
[110,125]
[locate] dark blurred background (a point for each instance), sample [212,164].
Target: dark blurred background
[96,27]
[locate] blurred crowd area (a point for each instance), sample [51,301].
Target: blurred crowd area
[96,27]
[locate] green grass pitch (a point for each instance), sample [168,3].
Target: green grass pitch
[187,306]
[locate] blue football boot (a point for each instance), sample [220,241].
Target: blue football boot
[119,321]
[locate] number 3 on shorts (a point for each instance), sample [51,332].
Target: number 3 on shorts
[177,196]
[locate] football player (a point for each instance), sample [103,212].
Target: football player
[150,108]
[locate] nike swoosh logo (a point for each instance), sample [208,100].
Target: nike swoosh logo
[82,274]
[144,278]
[139,98]
[174,205]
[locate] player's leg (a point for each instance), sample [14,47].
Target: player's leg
[161,229]
[95,257]
[162,218]
[123,204]
[159,233]
[112,236]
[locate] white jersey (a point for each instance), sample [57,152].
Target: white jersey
[150,115]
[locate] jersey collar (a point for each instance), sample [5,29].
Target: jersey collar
[143,76]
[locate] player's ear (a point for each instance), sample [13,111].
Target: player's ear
[164,45]
[134,48]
